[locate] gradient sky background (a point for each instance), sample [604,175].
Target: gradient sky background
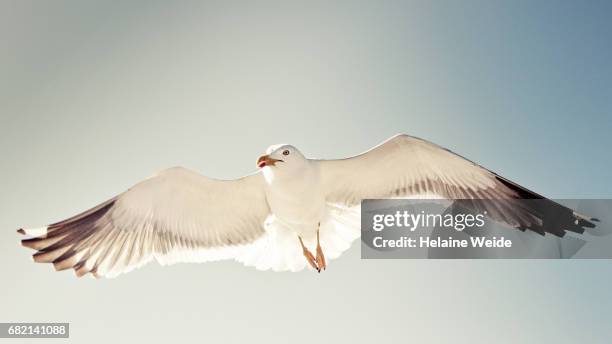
[96,96]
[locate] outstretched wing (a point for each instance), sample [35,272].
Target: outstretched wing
[176,216]
[406,166]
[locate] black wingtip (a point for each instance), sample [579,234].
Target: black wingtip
[21,231]
[585,223]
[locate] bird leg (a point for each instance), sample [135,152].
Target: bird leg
[309,257]
[320,257]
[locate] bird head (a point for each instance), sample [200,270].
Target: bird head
[278,155]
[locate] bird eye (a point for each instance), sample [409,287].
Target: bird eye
[286,152]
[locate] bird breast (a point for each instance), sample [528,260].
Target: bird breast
[297,199]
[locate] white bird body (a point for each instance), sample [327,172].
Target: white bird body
[263,219]
[295,195]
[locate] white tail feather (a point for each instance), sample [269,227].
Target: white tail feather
[279,249]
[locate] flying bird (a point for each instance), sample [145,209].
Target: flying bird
[293,213]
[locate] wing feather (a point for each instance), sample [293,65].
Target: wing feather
[177,215]
[406,166]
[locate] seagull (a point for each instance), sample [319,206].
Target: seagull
[293,214]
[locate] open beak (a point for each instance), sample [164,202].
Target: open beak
[266,160]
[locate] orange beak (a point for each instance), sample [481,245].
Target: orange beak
[266,160]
